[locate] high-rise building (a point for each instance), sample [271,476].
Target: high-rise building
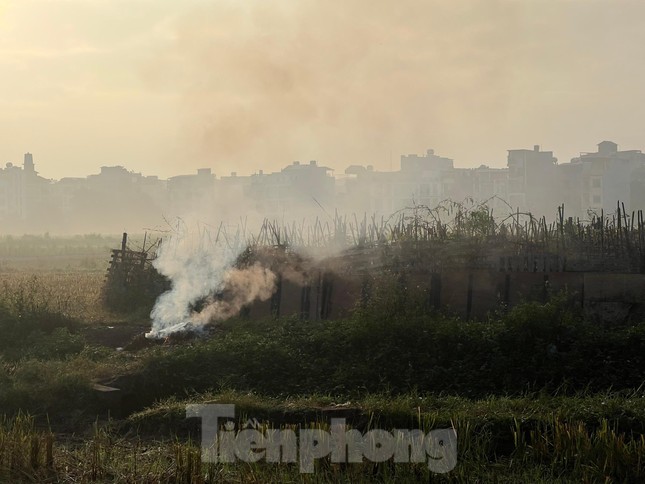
[533,182]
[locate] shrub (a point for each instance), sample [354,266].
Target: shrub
[534,346]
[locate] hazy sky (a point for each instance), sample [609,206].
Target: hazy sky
[167,86]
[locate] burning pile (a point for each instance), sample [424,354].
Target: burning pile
[214,281]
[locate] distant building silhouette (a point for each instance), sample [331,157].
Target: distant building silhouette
[117,198]
[533,180]
[296,188]
[186,191]
[596,181]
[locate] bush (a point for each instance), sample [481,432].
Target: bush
[45,387]
[534,346]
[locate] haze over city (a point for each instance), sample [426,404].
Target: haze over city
[165,87]
[295,240]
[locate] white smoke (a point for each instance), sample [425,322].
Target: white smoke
[199,268]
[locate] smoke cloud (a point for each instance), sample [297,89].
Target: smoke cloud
[242,286]
[205,285]
[264,83]
[254,84]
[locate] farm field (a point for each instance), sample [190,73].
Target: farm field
[535,394]
[44,253]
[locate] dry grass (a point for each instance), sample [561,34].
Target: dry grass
[75,294]
[556,451]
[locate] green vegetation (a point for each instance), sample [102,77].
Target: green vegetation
[536,394]
[532,347]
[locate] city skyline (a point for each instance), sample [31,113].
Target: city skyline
[163,85]
[531,182]
[500,163]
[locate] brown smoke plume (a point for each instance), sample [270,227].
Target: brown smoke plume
[242,287]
